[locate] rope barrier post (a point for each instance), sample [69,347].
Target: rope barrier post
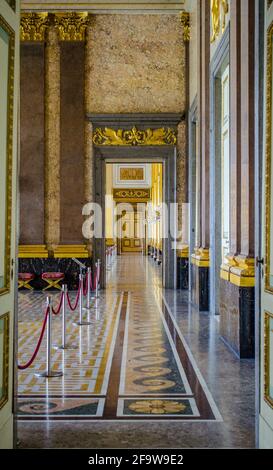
[64,344]
[49,372]
[81,322]
[98,263]
[88,304]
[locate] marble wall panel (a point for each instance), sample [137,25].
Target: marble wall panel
[32,144]
[137,64]
[237,311]
[72,142]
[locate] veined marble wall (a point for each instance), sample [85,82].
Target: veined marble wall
[138,64]
[193,84]
[131,64]
[32,146]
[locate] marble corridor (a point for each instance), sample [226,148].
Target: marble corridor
[150,371]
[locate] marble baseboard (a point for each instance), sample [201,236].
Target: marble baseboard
[237,318]
[65,265]
[182,273]
[200,287]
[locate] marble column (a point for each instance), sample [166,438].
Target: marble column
[237,293]
[88,131]
[201,258]
[52,139]
[182,200]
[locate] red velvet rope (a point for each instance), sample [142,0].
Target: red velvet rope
[77,299]
[25,366]
[90,280]
[56,312]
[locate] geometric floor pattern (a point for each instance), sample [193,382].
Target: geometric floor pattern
[130,363]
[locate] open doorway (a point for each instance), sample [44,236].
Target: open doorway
[133,212]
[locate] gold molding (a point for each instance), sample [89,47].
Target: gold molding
[58,251]
[131,195]
[9,153]
[134,136]
[71,251]
[185,20]
[5,385]
[183,252]
[71,26]
[268,163]
[32,251]
[201,257]
[239,270]
[267,365]
[218,8]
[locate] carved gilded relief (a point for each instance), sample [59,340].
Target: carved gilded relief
[134,136]
[219,10]
[133,195]
[131,174]
[71,26]
[185,20]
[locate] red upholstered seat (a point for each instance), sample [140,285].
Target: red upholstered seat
[52,275]
[26,276]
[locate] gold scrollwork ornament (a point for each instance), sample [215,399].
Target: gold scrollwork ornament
[134,136]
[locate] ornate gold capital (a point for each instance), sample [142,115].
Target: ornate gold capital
[71,26]
[185,20]
[134,136]
[33,26]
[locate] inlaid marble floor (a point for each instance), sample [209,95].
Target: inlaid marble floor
[148,362]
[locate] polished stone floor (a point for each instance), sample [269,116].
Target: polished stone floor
[149,371]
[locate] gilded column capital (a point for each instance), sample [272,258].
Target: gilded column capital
[70,26]
[218,6]
[186,23]
[33,26]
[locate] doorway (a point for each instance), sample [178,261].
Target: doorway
[134,215]
[166,156]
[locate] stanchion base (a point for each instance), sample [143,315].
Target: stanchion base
[82,323]
[51,374]
[66,346]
